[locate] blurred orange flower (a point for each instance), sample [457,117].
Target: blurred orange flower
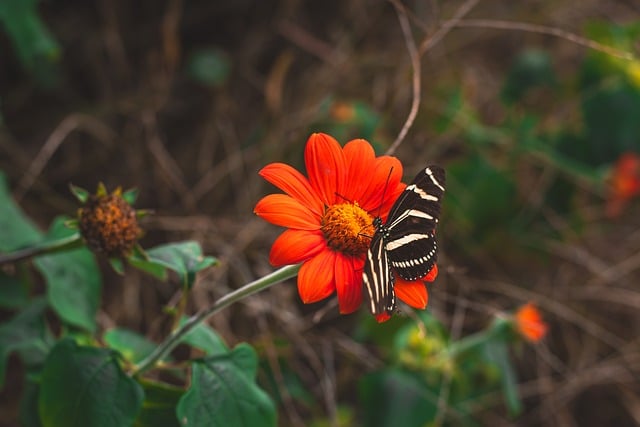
[624,183]
[329,219]
[529,323]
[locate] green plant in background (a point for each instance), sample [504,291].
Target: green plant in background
[81,376]
[36,48]
[431,376]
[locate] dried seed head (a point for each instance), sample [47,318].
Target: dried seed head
[109,224]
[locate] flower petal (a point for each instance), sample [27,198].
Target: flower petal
[384,186]
[316,280]
[431,275]
[294,184]
[285,211]
[360,159]
[382,317]
[348,274]
[295,246]
[326,167]
[412,293]
[530,324]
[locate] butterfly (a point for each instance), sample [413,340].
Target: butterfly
[405,243]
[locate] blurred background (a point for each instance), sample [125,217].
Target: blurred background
[533,107]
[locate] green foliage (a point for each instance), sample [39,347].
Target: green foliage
[240,401]
[72,380]
[481,198]
[184,258]
[131,345]
[204,338]
[27,335]
[73,281]
[38,51]
[159,406]
[531,69]
[85,386]
[432,373]
[13,292]
[16,230]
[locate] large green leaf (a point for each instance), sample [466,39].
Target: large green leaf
[223,392]
[159,406]
[133,346]
[84,386]
[73,281]
[26,334]
[16,230]
[13,293]
[204,338]
[184,258]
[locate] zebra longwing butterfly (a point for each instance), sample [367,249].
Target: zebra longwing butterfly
[406,243]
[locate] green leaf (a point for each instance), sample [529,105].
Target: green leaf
[38,51]
[16,230]
[159,406]
[27,334]
[497,352]
[80,193]
[13,293]
[130,196]
[238,401]
[204,338]
[73,281]
[117,265]
[29,404]
[393,397]
[84,386]
[133,346]
[185,258]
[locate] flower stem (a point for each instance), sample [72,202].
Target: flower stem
[66,243]
[176,335]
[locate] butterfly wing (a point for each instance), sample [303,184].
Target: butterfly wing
[378,279]
[411,244]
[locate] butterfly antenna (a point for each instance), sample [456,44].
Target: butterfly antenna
[384,192]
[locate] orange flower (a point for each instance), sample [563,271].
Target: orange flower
[529,323]
[329,219]
[624,183]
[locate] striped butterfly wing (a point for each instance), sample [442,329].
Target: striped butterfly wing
[378,278]
[406,243]
[410,243]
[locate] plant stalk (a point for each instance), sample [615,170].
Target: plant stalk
[176,335]
[71,242]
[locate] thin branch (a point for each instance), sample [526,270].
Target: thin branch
[72,242]
[447,26]
[541,29]
[415,65]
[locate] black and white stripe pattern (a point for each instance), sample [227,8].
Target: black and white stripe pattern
[406,243]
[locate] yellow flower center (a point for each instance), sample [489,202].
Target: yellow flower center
[347,228]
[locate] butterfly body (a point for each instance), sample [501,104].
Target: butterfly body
[405,244]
